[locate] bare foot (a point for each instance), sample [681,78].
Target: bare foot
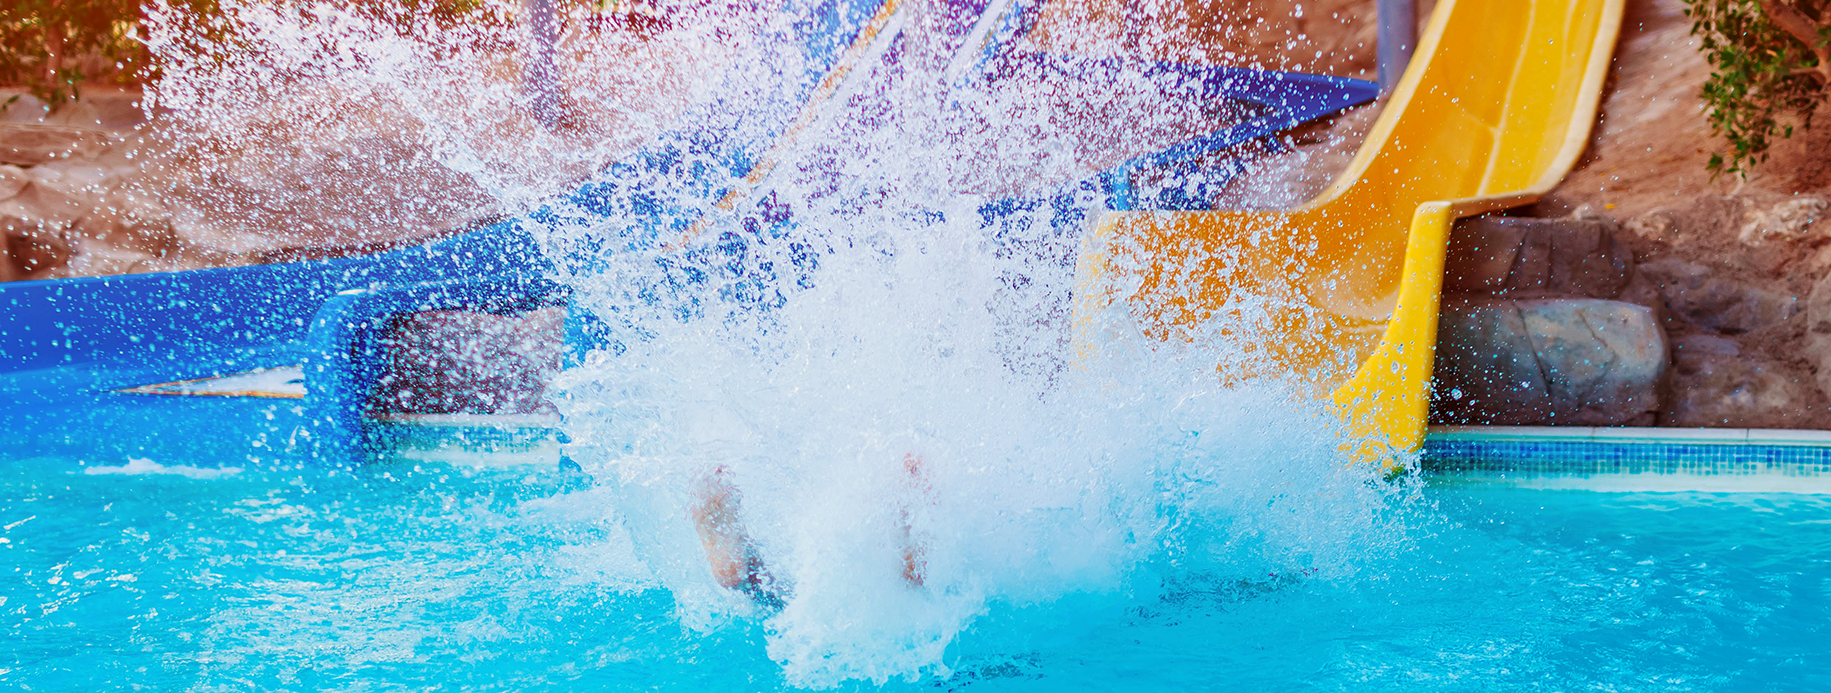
[735,564]
[915,554]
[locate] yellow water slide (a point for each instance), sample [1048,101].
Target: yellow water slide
[1340,295]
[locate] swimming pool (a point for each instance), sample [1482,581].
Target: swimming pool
[423,575]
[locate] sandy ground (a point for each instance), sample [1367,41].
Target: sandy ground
[1652,141]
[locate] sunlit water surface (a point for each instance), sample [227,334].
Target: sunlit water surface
[401,578]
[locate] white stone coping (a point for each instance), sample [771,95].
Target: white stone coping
[1632,434]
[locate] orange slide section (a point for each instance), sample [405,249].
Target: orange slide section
[1341,294]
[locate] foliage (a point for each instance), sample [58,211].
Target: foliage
[53,46]
[1771,68]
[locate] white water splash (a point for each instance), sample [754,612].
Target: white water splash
[861,307]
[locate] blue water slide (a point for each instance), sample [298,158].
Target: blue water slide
[82,360]
[278,362]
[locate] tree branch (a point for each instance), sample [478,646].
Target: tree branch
[1784,15]
[1791,20]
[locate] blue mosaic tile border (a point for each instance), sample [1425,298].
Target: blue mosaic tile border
[1566,457]
[484,439]
[1510,456]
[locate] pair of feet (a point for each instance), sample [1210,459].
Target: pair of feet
[717,516]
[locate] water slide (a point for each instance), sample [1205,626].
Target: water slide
[1339,296]
[282,361]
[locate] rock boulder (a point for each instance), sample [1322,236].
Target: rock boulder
[1547,361]
[23,144]
[1524,256]
[1706,217]
[31,244]
[1817,348]
[1716,302]
[1487,370]
[12,180]
[1717,384]
[1787,220]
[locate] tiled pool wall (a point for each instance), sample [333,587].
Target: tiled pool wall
[1533,451]
[465,438]
[1468,451]
[1560,457]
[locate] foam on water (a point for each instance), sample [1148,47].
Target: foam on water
[859,308]
[140,465]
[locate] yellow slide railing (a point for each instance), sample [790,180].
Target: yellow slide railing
[1341,294]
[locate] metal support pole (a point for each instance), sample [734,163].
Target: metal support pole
[539,74]
[1398,37]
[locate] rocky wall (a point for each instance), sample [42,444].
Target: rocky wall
[1592,320]
[68,193]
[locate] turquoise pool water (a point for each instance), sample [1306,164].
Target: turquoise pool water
[442,577]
